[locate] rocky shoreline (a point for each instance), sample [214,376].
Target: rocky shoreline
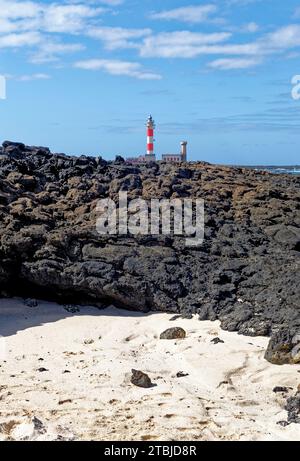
[246,273]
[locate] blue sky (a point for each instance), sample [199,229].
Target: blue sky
[83,76]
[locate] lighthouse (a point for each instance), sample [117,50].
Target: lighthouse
[150,156]
[150,139]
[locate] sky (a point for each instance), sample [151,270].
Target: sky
[82,77]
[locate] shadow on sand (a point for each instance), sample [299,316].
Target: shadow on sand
[15,316]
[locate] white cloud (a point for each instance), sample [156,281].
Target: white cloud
[65,18]
[19,40]
[25,23]
[29,23]
[117,67]
[28,78]
[185,44]
[251,27]
[191,14]
[248,28]
[118,37]
[40,26]
[234,63]
[283,38]
[181,44]
[11,9]
[7,26]
[49,51]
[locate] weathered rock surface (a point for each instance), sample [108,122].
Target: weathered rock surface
[140,379]
[173,333]
[246,273]
[293,408]
[284,347]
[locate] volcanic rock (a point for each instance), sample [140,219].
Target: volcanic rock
[140,379]
[280,389]
[293,408]
[246,273]
[284,347]
[173,333]
[217,341]
[181,374]
[39,425]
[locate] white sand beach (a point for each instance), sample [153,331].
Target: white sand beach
[66,376]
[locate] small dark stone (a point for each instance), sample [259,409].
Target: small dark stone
[283,423]
[140,379]
[173,333]
[62,402]
[217,341]
[181,374]
[38,425]
[42,370]
[280,389]
[31,302]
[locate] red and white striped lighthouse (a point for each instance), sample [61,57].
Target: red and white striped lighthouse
[150,136]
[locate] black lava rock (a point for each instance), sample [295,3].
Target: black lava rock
[140,379]
[245,273]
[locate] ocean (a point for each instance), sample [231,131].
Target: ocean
[281,169]
[294,170]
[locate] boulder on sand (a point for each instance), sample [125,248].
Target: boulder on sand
[173,333]
[140,379]
[283,348]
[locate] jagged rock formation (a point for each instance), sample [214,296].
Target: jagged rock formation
[246,273]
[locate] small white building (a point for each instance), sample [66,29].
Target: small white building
[177,158]
[172,158]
